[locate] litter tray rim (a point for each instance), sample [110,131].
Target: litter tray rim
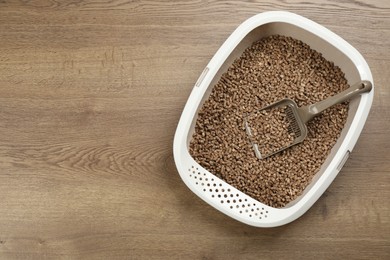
[183,160]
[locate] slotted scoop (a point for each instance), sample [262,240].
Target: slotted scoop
[282,124]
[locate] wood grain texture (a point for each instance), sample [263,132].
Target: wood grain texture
[90,96]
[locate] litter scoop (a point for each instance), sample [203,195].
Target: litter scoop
[282,124]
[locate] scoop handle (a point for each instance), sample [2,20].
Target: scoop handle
[310,111]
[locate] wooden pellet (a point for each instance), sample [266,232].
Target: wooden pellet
[271,69]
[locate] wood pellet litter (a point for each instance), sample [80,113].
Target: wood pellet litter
[273,68]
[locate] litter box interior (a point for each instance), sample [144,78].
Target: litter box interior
[223,192]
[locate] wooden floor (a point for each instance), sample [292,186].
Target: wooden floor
[90,96]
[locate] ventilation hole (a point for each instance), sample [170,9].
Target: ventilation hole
[234,201]
[192,166]
[196,183]
[237,206]
[259,217]
[198,173]
[189,170]
[212,196]
[202,184]
[240,212]
[228,201]
[237,195]
[243,205]
[216,190]
[223,190]
[206,179]
[239,200]
[214,184]
[193,171]
[231,195]
[249,205]
[257,209]
[231,207]
[246,200]
[200,178]
[204,174]
[229,191]
[221,201]
[204,189]
[208,184]
[266,211]
[219,195]
[256,214]
[254,204]
[261,213]
[212,179]
[225,196]
[211,190]
[250,216]
[190,175]
[246,211]
[195,177]
[262,208]
[252,210]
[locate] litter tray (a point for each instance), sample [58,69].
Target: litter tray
[225,197]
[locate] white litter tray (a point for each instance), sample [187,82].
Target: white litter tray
[225,197]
